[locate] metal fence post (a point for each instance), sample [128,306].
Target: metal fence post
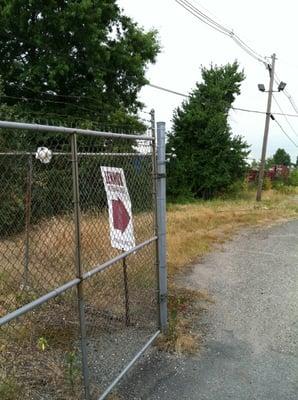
[154,206]
[161,223]
[27,222]
[125,280]
[80,292]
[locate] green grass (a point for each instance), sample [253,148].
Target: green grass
[9,389]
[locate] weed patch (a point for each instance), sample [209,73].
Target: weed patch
[9,388]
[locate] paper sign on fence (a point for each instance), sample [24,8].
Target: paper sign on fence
[119,205]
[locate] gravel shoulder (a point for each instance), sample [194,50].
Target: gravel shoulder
[250,350]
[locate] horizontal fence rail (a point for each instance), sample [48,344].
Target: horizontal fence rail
[100,268]
[70,131]
[23,153]
[128,367]
[38,302]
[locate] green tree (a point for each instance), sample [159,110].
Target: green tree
[79,62]
[281,157]
[206,158]
[80,58]
[269,162]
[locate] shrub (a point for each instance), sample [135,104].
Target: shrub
[236,188]
[284,189]
[267,184]
[293,177]
[9,389]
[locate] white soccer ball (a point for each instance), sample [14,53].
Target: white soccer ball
[44,155]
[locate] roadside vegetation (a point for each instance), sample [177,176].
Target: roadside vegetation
[49,341]
[204,157]
[193,230]
[211,192]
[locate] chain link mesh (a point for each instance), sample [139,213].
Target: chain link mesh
[40,351]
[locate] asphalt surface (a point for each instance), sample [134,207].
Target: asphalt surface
[250,351]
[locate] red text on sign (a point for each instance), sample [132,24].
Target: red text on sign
[113,178]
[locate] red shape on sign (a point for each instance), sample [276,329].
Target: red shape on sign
[121,217]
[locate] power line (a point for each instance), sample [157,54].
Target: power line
[167,90]
[56,95]
[287,94]
[196,12]
[285,116]
[249,110]
[207,11]
[52,115]
[233,108]
[25,99]
[283,131]
[264,112]
[221,29]
[241,109]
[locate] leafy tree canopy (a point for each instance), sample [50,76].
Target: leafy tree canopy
[206,158]
[80,58]
[281,157]
[269,162]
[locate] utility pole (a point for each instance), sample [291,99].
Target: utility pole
[266,131]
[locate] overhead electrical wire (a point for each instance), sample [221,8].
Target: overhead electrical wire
[187,5]
[27,99]
[233,108]
[249,50]
[59,96]
[203,17]
[287,94]
[285,116]
[167,90]
[244,110]
[283,131]
[151,85]
[221,29]
[196,12]
[206,20]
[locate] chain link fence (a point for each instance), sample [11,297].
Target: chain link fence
[75,311]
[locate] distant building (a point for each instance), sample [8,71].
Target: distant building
[275,172]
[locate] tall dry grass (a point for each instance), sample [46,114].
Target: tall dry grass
[25,368]
[193,229]
[52,255]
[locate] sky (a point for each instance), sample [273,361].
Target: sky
[187,43]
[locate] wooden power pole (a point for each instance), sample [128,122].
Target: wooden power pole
[266,131]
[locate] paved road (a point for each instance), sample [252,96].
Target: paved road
[251,349]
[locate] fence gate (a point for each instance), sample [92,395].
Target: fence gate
[82,257]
